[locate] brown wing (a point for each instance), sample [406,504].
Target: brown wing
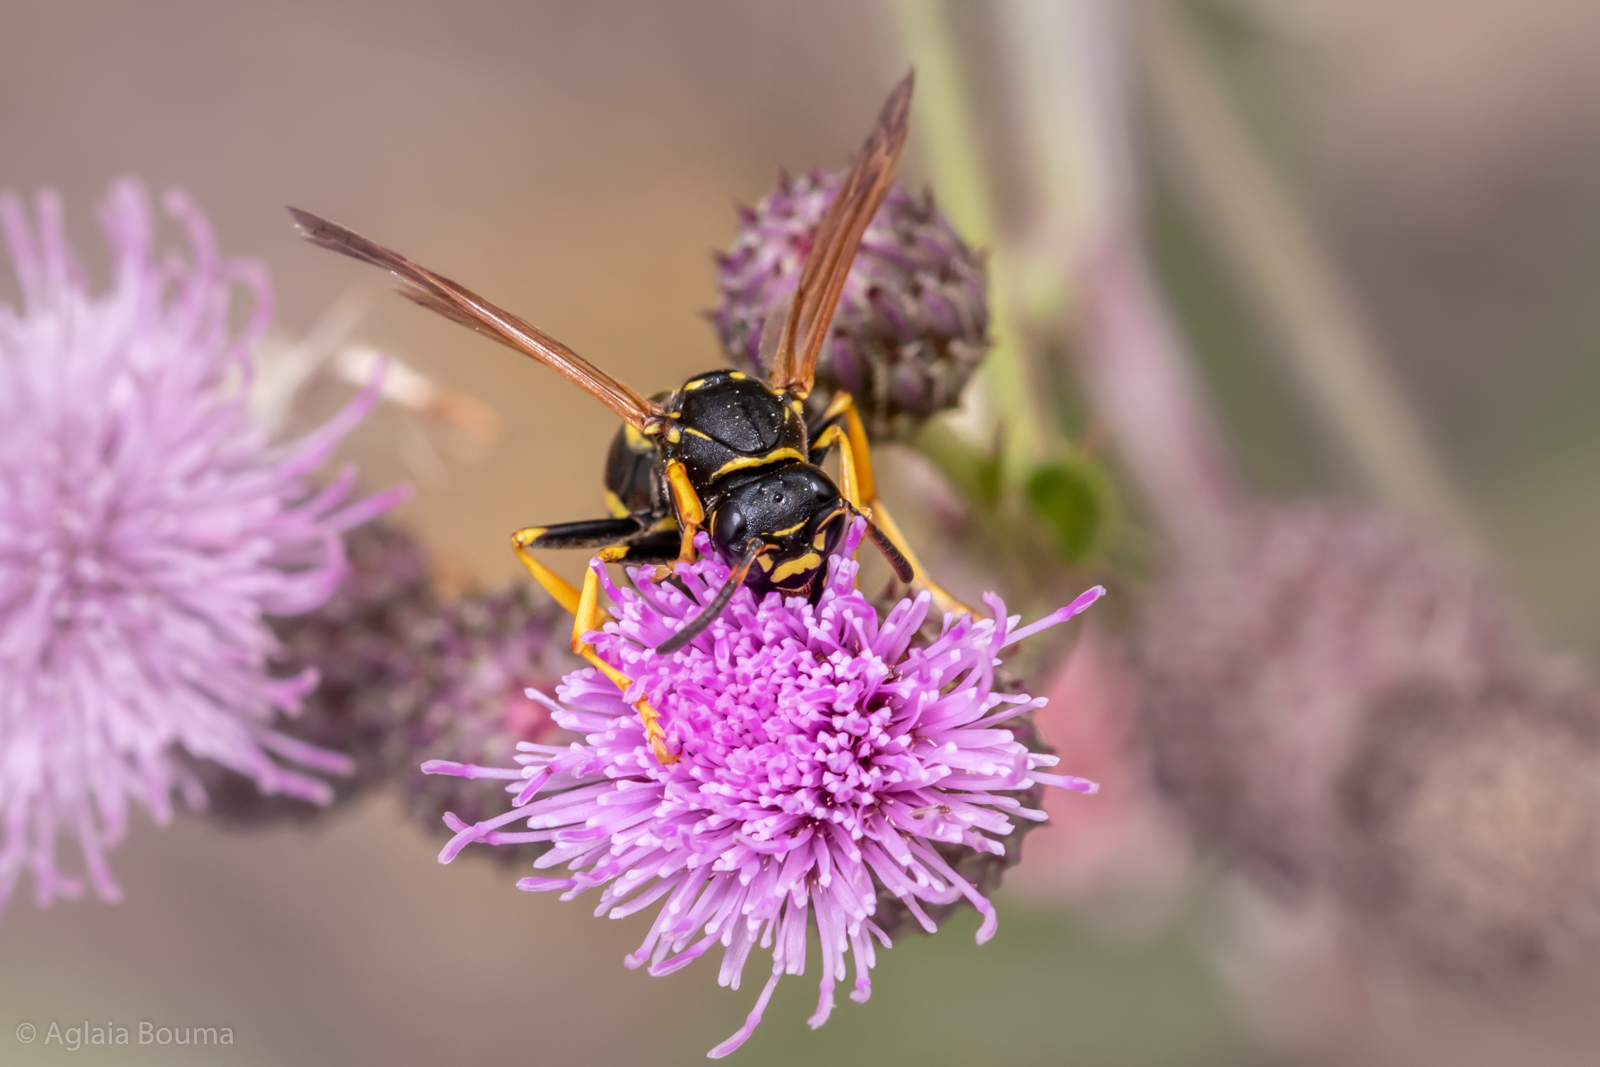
[461,305]
[833,249]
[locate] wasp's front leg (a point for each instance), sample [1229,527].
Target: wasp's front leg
[690,514]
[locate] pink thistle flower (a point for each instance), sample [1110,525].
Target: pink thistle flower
[147,527]
[823,754]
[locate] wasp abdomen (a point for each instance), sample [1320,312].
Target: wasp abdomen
[633,476]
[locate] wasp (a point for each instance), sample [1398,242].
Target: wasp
[724,453]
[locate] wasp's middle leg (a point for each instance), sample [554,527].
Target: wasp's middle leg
[586,533]
[642,543]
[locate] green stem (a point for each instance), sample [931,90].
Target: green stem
[945,135]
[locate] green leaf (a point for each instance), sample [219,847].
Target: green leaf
[1072,497]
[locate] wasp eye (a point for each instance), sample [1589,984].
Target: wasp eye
[728,527]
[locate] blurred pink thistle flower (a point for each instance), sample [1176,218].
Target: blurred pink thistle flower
[146,527]
[822,753]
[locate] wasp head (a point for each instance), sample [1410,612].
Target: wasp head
[795,516]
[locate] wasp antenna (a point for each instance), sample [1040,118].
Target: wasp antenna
[891,552]
[719,603]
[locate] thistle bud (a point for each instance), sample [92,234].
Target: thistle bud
[370,678]
[913,320]
[1470,824]
[1342,712]
[481,656]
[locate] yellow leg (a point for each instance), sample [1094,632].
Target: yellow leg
[856,432]
[849,466]
[855,469]
[919,579]
[690,514]
[585,609]
[557,586]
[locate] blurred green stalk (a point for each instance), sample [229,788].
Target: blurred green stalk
[955,164]
[1253,223]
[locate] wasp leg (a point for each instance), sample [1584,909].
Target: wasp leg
[690,513]
[585,611]
[843,406]
[558,587]
[584,620]
[849,470]
[855,466]
[849,485]
[587,533]
[653,546]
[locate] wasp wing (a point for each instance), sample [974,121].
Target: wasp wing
[438,293]
[833,248]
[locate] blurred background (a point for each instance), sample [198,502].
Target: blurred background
[1411,187]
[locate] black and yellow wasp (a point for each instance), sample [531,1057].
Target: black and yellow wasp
[724,452]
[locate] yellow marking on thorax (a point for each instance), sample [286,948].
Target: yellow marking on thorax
[637,442]
[738,375]
[614,504]
[674,435]
[698,383]
[757,461]
[808,562]
[698,433]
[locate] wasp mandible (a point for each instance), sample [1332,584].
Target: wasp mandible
[724,452]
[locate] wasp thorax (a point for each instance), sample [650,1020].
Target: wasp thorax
[724,422]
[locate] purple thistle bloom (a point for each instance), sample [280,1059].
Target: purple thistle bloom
[822,753]
[146,527]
